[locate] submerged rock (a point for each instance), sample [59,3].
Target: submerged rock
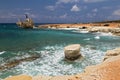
[111,53]
[72,52]
[16,62]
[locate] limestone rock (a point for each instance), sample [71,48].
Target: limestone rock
[65,77]
[108,70]
[111,53]
[19,77]
[115,31]
[72,52]
[42,77]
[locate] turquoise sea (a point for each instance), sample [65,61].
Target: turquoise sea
[17,43]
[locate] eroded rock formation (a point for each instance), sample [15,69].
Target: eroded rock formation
[72,52]
[111,53]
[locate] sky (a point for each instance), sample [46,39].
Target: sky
[59,11]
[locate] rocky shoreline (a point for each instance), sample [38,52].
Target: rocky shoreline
[113,28]
[109,69]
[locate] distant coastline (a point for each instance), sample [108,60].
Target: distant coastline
[106,26]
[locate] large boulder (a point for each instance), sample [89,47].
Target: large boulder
[19,77]
[72,52]
[111,53]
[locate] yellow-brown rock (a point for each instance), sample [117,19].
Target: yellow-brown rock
[42,78]
[108,70]
[19,77]
[61,78]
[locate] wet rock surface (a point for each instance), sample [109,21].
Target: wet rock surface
[16,62]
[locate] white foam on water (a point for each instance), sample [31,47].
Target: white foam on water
[81,31]
[68,28]
[107,34]
[2,52]
[87,39]
[104,34]
[52,62]
[97,37]
[84,31]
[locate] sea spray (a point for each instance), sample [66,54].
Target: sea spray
[2,52]
[52,62]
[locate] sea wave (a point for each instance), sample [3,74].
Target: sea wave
[87,39]
[103,34]
[97,37]
[81,31]
[52,62]
[2,52]
[68,28]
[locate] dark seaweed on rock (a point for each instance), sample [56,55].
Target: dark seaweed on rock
[17,62]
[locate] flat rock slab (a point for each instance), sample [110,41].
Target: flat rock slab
[19,77]
[111,53]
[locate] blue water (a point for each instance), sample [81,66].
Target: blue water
[16,43]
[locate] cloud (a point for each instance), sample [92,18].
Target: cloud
[106,7]
[66,1]
[63,16]
[93,1]
[27,9]
[58,4]
[8,15]
[95,10]
[31,15]
[51,8]
[91,15]
[75,8]
[116,12]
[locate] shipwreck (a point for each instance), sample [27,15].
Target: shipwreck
[27,23]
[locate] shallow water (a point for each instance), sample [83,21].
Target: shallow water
[17,43]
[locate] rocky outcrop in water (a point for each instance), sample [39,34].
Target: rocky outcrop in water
[115,31]
[72,52]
